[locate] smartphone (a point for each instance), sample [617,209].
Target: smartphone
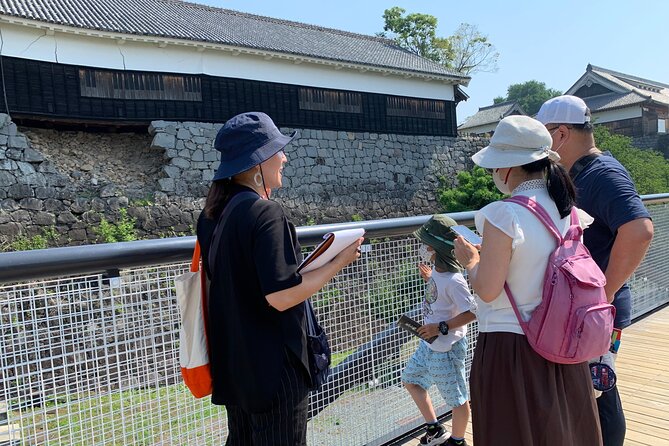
[467,234]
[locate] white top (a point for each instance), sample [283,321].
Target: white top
[446,296]
[531,247]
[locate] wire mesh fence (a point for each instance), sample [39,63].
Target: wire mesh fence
[93,360]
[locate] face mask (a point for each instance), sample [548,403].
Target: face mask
[501,185]
[424,254]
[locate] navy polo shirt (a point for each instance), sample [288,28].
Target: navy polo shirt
[605,190]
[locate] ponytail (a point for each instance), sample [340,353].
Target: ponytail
[560,187]
[218,195]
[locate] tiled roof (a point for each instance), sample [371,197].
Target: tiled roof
[655,91]
[189,21]
[491,114]
[610,101]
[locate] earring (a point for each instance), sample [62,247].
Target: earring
[257,178]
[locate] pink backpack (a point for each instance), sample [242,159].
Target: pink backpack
[574,322]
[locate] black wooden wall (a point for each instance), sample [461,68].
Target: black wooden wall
[36,89]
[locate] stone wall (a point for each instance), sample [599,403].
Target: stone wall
[330,176]
[65,182]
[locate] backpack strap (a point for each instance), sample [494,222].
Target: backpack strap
[539,211]
[218,230]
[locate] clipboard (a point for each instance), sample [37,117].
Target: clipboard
[333,243]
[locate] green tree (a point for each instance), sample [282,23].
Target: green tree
[467,51]
[529,95]
[475,189]
[648,168]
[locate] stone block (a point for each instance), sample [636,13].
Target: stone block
[18,142]
[6,164]
[80,206]
[10,229]
[66,218]
[44,219]
[182,163]
[198,155]
[166,184]
[172,171]
[21,215]
[14,154]
[18,191]
[32,156]
[31,204]
[108,190]
[183,133]
[9,130]
[25,168]
[157,126]
[163,141]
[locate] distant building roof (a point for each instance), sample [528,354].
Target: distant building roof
[492,114]
[190,21]
[621,90]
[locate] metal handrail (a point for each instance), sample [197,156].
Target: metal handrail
[57,262]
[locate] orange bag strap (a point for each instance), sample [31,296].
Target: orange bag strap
[195,263]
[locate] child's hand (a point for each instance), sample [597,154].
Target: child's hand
[428,331]
[425,271]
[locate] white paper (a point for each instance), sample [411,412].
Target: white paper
[342,239]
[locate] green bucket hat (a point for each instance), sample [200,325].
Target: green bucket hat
[437,234]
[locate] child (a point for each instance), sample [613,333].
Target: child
[447,309]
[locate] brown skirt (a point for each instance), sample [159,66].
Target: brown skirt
[520,398]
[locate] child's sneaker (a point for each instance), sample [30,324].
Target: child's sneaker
[451,442]
[438,435]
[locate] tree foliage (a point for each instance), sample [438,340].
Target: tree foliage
[529,95]
[475,189]
[467,51]
[648,168]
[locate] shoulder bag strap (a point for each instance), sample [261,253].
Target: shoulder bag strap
[218,231]
[581,164]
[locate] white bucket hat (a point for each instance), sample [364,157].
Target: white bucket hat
[517,140]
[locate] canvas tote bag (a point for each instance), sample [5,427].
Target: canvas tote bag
[191,288]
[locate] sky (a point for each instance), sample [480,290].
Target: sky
[551,42]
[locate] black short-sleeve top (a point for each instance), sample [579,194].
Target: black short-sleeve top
[258,254]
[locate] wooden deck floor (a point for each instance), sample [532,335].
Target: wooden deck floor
[643,382]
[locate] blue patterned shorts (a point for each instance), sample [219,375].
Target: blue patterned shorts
[446,370]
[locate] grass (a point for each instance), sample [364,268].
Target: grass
[137,417]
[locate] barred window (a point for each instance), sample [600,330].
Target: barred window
[330,100]
[137,85]
[415,108]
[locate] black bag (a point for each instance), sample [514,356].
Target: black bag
[318,349]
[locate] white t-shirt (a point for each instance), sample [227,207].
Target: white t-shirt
[446,296]
[531,246]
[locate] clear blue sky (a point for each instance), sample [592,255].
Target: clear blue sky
[551,42]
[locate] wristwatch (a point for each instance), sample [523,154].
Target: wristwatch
[443,328]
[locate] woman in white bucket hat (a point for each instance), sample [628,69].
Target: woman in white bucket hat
[517,396]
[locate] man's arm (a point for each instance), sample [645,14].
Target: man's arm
[629,249]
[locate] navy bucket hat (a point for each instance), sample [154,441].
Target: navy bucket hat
[247,140]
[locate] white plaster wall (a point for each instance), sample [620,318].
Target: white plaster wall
[617,115]
[102,52]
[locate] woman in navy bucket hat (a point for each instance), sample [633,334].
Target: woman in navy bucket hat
[257,327]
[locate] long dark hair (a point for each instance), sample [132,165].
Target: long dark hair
[218,195]
[559,184]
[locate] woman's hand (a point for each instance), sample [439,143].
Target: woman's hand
[466,253]
[428,331]
[425,271]
[349,254]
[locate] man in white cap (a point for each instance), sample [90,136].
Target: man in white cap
[622,231]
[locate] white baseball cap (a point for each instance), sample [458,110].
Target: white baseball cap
[564,109]
[518,140]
